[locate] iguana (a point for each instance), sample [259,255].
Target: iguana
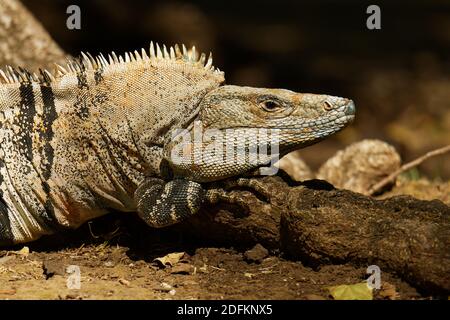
[102,134]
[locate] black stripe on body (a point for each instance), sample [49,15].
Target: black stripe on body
[49,116]
[81,103]
[81,76]
[47,152]
[98,75]
[6,236]
[25,120]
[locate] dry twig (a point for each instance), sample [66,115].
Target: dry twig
[406,167]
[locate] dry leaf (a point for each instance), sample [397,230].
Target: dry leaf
[170,259]
[359,291]
[388,291]
[25,251]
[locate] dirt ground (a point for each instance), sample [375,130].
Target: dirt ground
[116,258]
[113,272]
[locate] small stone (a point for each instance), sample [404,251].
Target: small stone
[165,287]
[256,254]
[52,268]
[124,282]
[109,264]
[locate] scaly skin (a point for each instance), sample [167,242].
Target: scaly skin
[104,135]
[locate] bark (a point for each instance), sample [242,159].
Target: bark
[24,42]
[402,234]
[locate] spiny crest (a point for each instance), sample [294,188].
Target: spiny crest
[88,62]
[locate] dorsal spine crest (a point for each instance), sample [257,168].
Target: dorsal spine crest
[86,61]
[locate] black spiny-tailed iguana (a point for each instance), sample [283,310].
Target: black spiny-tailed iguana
[104,134]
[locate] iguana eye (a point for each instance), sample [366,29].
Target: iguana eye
[270,106]
[327,105]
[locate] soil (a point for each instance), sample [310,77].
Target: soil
[116,256]
[113,272]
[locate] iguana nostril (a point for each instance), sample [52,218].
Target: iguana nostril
[351,109]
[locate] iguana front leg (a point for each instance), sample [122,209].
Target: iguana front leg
[161,203]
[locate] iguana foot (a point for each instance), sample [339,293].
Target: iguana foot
[223,192]
[161,203]
[215,196]
[255,184]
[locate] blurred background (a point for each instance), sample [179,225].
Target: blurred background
[399,76]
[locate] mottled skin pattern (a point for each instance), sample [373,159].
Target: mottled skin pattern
[100,135]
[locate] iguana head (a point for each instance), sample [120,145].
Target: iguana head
[241,128]
[300,118]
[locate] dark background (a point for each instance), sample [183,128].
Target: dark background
[399,76]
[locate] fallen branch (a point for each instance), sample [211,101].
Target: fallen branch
[378,186]
[403,235]
[322,225]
